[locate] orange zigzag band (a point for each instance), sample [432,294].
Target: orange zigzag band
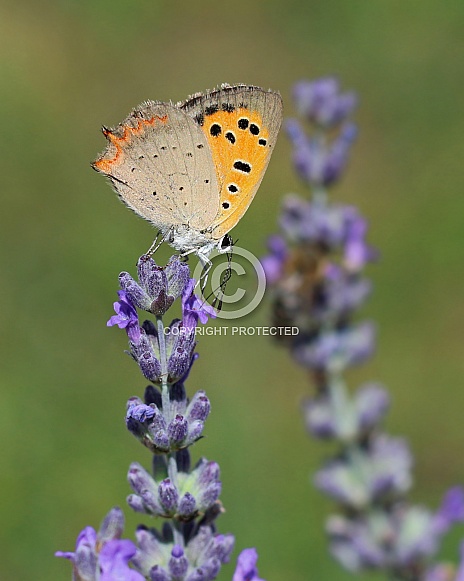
[103,164]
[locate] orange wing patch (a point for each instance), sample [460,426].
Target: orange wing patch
[240,148]
[117,143]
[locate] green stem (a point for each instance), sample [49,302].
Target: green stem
[164,364]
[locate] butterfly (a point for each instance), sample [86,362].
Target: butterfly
[193,168]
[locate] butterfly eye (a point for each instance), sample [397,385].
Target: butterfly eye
[226,244]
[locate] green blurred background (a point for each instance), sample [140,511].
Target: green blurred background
[69,66]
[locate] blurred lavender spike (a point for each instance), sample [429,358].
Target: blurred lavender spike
[315,268]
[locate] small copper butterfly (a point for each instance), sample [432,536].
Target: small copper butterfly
[193,168]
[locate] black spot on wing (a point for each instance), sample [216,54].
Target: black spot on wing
[215,130]
[242,166]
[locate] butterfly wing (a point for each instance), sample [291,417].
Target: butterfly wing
[240,124]
[160,164]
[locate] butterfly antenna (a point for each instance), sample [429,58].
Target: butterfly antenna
[221,289]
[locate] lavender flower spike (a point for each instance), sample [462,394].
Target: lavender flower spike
[315,269]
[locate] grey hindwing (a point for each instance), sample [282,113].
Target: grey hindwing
[165,172]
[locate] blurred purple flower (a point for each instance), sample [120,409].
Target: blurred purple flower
[451,510]
[114,562]
[336,350]
[246,569]
[329,416]
[317,162]
[273,263]
[103,556]
[363,477]
[356,252]
[322,103]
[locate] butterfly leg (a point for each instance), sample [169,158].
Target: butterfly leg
[159,239]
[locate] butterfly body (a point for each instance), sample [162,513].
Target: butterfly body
[193,168]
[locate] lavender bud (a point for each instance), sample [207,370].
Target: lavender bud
[160,440]
[136,294]
[177,430]
[143,353]
[168,496]
[187,506]
[136,503]
[208,472]
[181,353]
[199,407]
[210,494]
[195,431]
[372,404]
[151,502]
[178,563]
[139,479]
[178,275]
[112,526]
[319,417]
[157,573]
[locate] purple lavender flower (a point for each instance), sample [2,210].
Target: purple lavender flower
[103,556]
[126,316]
[322,103]
[246,569]
[158,287]
[194,309]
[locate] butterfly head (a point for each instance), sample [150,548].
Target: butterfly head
[225,244]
